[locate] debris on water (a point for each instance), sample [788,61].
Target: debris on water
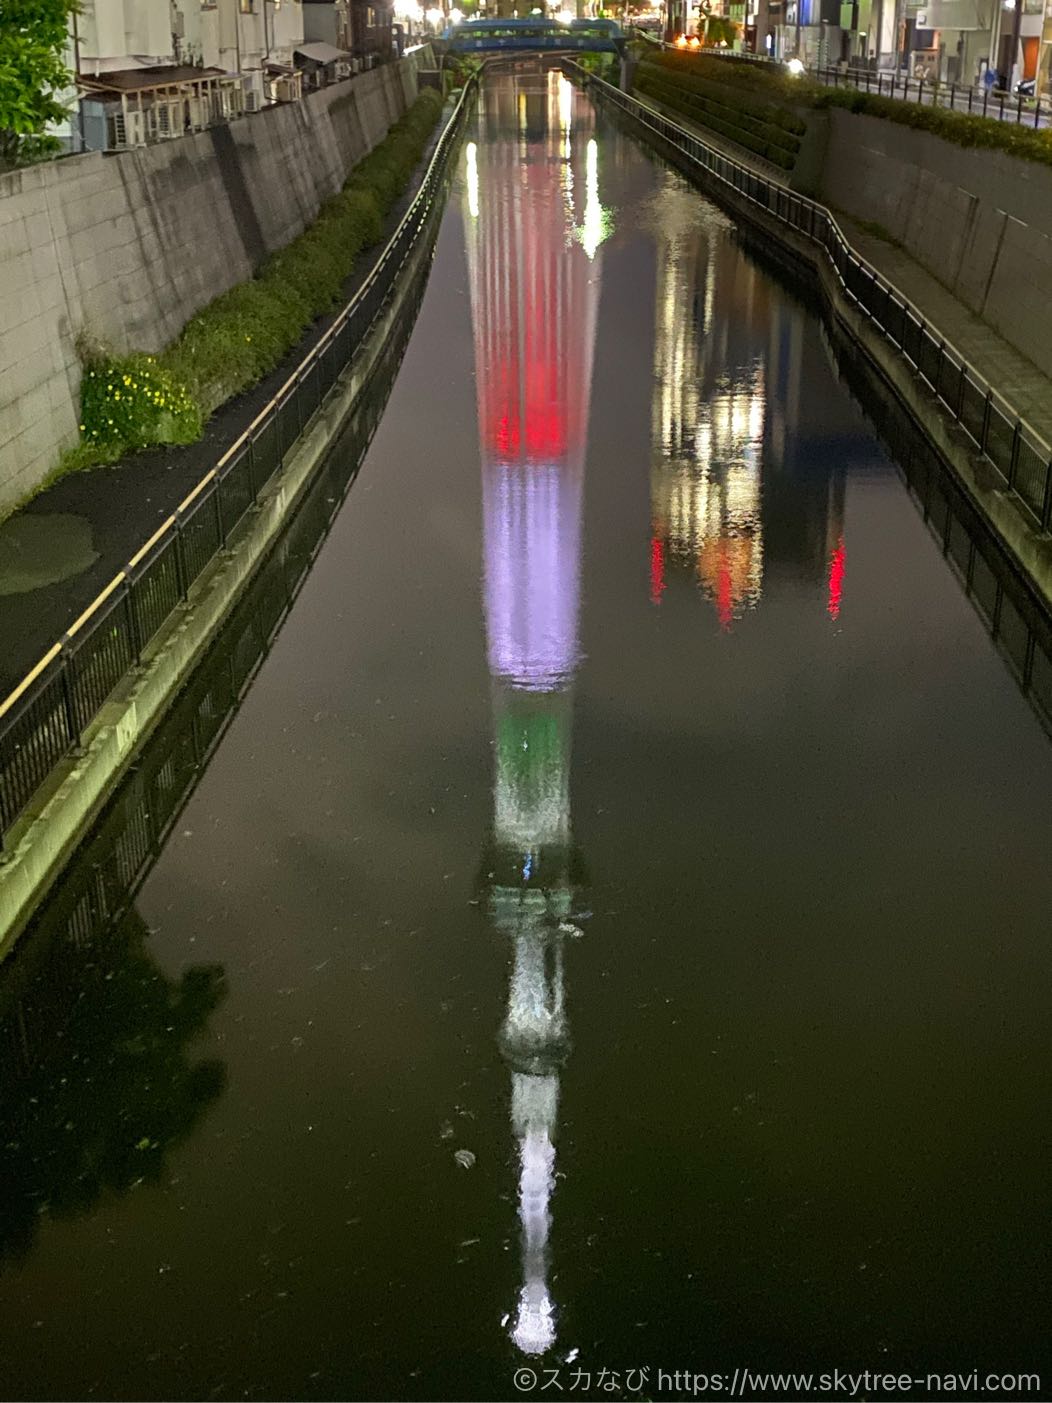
[468,1242]
[572,1356]
[568,928]
[445,1130]
[464,1158]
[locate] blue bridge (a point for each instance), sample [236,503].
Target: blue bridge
[535,33]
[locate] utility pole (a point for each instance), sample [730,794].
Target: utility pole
[995,35]
[899,36]
[1013,57]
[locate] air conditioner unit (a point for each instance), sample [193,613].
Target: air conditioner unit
[287,90]
[252,87]
[134,129]
[170,117]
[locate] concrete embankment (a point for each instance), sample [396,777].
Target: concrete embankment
[1029,548]
[126,247]
[64,811]
[979,221]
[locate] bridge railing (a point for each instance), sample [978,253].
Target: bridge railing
[48,716]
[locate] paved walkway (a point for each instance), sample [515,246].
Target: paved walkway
[63,547]
[1024,387]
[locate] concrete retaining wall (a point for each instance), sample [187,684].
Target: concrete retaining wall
[69,805]
[979,221]
[128,246]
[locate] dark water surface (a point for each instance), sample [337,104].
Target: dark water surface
[613,932]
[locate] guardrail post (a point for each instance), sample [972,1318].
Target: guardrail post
[180,562]
[985,430]
[250,469]
[220,527]
[1046,506]
[132,617]
[1013,461]
[67,703]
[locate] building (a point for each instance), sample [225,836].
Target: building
[360,29]
[147,69]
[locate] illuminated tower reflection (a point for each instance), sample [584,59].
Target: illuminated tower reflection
[534,224]
[733,494]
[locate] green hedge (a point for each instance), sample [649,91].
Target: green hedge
[962,128]
[773,84]
[766,138]
[130,402]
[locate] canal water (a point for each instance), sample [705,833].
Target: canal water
[612,931]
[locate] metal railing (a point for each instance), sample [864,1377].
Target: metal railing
[994,103]
[1020,457]
[46,717]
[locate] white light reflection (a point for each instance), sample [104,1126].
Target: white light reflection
[596,225]
[473,179]
[709,417]
[534,1106]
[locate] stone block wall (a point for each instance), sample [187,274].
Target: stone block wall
[127,247]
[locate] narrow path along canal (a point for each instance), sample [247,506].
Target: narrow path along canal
[612,932]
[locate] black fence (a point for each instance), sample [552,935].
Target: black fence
[957,97]
[1021,459]
[46,717]
[995,103]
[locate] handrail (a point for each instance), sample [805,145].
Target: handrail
[264,413]
[817,223]
[867,266]
[44,716]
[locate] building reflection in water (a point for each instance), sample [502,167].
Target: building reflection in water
[738,490]
[534,224]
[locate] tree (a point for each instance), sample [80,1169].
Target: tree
[33,75]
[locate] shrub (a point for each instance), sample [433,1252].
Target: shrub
[772,84]
[134,400]
[130,402]
[751,126]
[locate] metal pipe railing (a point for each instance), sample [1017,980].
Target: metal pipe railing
[45,717]
[1019,455]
